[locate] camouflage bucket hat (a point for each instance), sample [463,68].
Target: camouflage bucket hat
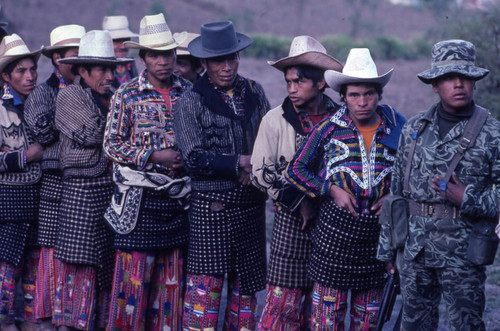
[453,56]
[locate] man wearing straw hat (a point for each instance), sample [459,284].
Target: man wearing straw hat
[118,28]
[83,254]
[39,114]
[151,186]
[348,160]
[281,133]
[450,203]
[216,123]
[187,66]
[19,177]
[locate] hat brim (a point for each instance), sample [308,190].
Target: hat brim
[95,60]
[313,59]
[7,59]
[197,50]
[49,50]
[473,72]
[336,79]
[177,41]
[122,34]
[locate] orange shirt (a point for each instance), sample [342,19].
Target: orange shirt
[368,132]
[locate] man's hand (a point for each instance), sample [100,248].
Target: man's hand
[34,153]
[245,169]
[455,189]
[308,212]
[169,158]
[390,268]
[377,206]
[344,200]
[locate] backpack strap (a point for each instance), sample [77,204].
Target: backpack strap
[418,130]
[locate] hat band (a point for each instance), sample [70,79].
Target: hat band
[14,44]
[155,29]
[67,41]
[453,63]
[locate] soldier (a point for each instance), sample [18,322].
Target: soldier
[281,133]
[445,207]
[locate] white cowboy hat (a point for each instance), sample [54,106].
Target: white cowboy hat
[359,68]
[96,47]
[12,48]
[183,48]
[155,35]
[306,50]
[117,27]
[64,36]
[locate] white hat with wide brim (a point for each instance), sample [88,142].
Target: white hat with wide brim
[12,48]
[64,36]
[183,48]
[118,27]
[359,68]
[155,35]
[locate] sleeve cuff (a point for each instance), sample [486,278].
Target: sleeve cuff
[290,197]
[225,165]
[15,161]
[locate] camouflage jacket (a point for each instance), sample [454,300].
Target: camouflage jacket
[445,241]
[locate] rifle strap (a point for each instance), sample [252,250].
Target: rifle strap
[406,180]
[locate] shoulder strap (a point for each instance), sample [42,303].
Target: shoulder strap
[418,130]
[467,140]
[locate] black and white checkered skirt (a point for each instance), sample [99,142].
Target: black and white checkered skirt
[83,237]
[290,251]
[50,198]
[162,224]
[227,234]
[344,250]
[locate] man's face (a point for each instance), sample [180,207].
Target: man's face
[222,70]
[23,78]
[65,68]
[456,92]
[99,78]
[185,69]
[301,91]
[160,66]
[362,101]
[120,50]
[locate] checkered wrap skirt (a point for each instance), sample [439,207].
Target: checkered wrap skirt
[227,234]
[290,251]
[83,237]
[344,250]
[50,198]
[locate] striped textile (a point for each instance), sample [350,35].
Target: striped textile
[50,199]
[28,280]
[286,309]
[45,283]
[202,304]
[147,291]
[329,308]
[9,275]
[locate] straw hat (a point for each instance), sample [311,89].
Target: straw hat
[306,50]
[183,48]
[96,47]
[359,68]
[117,27]
[453,56]
[64,36]
[218,39]
[12,48]
[155,35]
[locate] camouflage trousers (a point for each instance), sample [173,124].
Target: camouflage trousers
[462,289]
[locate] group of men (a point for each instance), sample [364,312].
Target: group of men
[128,199]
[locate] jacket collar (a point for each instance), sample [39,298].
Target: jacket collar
[144,83]
[291,115]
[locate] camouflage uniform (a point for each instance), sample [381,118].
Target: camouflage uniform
[434,259]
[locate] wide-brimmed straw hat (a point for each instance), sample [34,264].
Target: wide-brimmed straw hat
[453,56]
[183,48]
[155,35]
[64,36]
[359,68]
[117,27]
[306,50]
[218,39]
[96,47]
[12,48]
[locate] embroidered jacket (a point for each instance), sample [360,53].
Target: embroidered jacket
[140,122]
[444,241]
[281,133]
[335,153]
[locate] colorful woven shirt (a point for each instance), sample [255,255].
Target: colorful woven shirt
[335,153]
[140,121]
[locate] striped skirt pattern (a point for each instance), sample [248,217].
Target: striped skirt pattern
[147,291]
[45,283]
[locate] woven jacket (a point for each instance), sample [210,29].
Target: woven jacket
[81,121]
